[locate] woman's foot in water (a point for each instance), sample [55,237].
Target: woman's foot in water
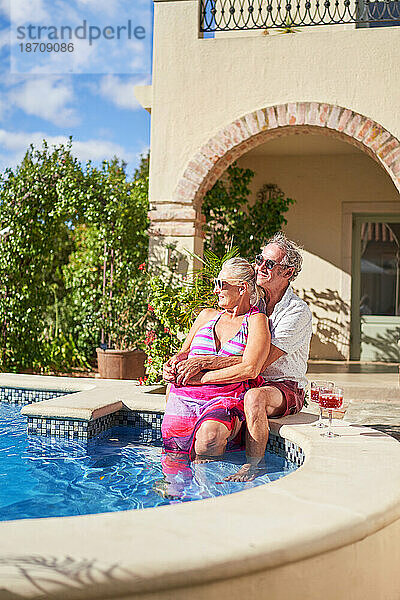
[165,490]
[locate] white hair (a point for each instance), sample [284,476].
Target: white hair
[293,257]
[239,269]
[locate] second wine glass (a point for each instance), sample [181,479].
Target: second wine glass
[316,388]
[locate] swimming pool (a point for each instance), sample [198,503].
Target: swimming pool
[337,515]
[121,470]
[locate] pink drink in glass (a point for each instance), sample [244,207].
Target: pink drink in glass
[331,400]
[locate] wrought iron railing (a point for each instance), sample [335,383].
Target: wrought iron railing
[229,15]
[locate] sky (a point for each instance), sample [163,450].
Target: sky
[86,93]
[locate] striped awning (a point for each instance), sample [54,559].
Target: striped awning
[377,232]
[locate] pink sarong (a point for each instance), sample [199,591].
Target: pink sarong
[189,406]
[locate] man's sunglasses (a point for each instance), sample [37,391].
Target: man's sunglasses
[269,263]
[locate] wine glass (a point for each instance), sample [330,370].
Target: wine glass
[316,387]
[331,399]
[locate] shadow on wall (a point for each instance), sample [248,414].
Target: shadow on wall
[331,324]
[48,575]
[384,346]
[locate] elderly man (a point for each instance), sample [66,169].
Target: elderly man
[284,372]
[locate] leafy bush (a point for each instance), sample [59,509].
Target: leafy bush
[108,290]
[71,243]
[35,243]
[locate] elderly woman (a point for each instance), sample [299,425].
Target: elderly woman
[204,417]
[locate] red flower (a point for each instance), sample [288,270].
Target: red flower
[150,337]
[142,266]
[150,308]
[167,330]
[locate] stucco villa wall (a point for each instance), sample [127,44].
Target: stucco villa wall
[320,185]
[200,86]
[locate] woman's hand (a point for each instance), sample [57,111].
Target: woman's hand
[169,369]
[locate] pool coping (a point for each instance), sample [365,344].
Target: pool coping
[347,489]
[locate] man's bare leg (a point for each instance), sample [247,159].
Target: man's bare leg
[259,404]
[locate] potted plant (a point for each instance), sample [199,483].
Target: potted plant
[125,311]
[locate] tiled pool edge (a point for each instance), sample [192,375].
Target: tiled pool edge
[82,430]
[89,430]
[27,395]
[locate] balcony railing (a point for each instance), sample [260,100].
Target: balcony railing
[230,15]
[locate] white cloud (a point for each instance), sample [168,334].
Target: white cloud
[4,38]
[5,8]
[13,146]
[98,150]
[47,98]
[27,11]
[120,93]
[145,149]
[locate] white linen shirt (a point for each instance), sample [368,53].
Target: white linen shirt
[291,329]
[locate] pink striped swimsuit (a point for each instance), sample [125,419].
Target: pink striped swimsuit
[204,340]
[189,406]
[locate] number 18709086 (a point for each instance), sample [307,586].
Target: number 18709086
[46,47]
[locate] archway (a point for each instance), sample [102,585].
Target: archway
[264,124]
[260,127]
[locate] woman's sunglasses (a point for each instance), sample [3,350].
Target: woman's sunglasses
[220,283]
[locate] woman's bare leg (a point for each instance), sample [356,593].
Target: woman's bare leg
[211,440]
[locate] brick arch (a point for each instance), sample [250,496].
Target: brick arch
[183,215]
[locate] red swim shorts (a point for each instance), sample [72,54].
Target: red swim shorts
[292,393]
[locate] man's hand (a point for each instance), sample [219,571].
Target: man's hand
[169,369]
[196,379]
[188,369]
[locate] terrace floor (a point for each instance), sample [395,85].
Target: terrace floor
[372,392]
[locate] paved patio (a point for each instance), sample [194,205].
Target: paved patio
[371,391]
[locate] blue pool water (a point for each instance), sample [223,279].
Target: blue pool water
[50,477]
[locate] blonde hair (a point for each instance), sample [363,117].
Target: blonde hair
[239,269]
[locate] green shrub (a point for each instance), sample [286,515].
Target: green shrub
[230,217]
[71,245]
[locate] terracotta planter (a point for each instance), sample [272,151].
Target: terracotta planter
[121,364]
